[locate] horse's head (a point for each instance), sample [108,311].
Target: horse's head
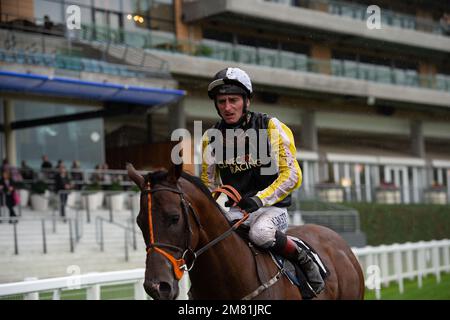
[164,221]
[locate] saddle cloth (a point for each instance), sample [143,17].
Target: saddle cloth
[293,272]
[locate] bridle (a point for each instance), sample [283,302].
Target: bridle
[179,265]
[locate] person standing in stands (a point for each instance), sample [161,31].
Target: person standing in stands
[26,171]
[8,194]
[76,174]
[62,184]
[46,164]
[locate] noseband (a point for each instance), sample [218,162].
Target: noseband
[179,265]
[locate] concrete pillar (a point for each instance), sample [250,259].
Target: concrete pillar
[10,137]
[357,172]
[415,183]
[424,15]
[149,127]
[177,120]
[337,177]
[185,32]
[306,183]
[176,116]
[406,185]
[309,131]
[417,139]
[322,54]
[427,71]
[368,183]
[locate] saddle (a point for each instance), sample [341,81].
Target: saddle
[292,271]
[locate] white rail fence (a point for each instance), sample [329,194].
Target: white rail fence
[386,263]
[381,265]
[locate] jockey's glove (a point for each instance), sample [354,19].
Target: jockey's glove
[250,204]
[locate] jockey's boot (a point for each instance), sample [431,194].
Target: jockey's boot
[289,250]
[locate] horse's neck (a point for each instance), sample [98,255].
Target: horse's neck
[221,266]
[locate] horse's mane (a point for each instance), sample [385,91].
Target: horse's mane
[159,176]
[196,181]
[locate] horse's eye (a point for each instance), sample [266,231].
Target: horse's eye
[173,219]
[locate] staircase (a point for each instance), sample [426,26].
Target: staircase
[87,256]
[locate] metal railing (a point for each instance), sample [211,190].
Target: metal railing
[76,223]
[100,239]
[73,230]
[78,51]
[134,50]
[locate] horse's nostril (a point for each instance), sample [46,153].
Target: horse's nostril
[165,289]
[152,288]
[158,290]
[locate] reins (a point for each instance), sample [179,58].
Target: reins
[179,265]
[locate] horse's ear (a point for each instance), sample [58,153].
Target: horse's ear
[177,161]
[135,176]
[175,170]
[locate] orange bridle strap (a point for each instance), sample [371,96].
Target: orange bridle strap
[177,264]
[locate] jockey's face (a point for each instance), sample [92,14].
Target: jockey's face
[231,107]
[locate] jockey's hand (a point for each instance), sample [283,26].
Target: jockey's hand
[250,204]
[229,203]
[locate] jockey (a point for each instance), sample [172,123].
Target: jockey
[266,193]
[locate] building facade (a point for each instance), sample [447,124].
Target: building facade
[368,106]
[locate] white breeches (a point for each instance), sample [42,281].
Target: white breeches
[263,224]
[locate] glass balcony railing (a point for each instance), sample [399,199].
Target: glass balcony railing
[359,12]
[274,58]
[73,63]
[212,49]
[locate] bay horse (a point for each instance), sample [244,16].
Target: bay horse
[179,218]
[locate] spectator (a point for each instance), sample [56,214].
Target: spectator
[97,175]
[105,175]
[9,196]
[76,174]
[46,167]
[46,164]
[5,164]
[62,185]
[14,173]
[60,164]
[445,24]
[48,24]
[26,171]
